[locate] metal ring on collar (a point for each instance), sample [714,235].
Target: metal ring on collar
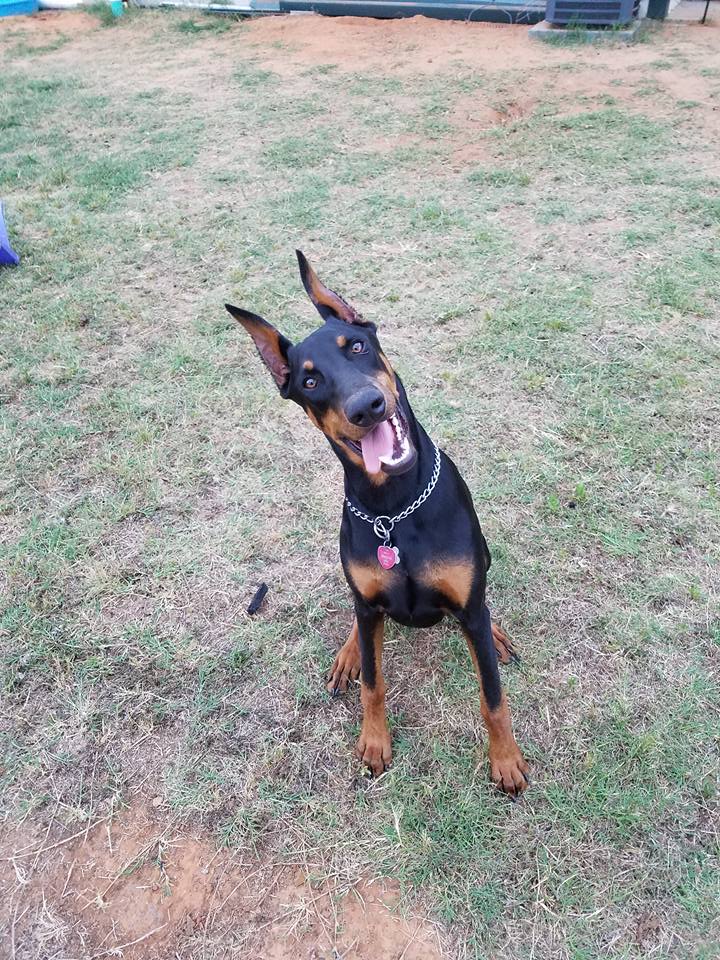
[381,528]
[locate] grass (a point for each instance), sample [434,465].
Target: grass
[550,306]
[104,14]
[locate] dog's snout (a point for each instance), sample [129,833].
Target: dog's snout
[366,407]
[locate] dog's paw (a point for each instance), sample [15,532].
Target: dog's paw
[509,771]
[503,645]
[375,750]
[345,668]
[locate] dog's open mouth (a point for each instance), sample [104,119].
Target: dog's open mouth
[387,446]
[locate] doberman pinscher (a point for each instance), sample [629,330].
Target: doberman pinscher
[410,541]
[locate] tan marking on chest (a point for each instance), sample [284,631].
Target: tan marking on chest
[370,579]
[452,578]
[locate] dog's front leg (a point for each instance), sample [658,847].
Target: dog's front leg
[373,747]
[508,769]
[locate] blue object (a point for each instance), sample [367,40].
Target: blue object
[7,254]
[10,8]
[591,13]
[490,11]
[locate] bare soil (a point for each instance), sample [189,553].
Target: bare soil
[136,885]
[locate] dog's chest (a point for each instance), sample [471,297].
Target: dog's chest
[440,558]
[415,591]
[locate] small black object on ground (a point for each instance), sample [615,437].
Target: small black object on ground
[257,599]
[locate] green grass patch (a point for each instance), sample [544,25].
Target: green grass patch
[546,287]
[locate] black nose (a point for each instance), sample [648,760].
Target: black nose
[366,407]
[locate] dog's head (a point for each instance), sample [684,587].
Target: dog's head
[342,379]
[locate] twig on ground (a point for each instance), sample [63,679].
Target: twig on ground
[59,843]
[114,951]
[15,920]
[67,879]
[141,853]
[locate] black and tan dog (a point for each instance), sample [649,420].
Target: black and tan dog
[433,561]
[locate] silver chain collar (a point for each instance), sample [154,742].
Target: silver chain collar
[382,525]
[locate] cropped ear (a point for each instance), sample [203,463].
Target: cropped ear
[271,344]
[330,305]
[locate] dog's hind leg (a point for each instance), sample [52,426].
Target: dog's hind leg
[347,664]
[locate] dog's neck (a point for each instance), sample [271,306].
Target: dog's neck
[393,494]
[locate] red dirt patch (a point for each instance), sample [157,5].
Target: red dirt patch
[48,23]
[415,44]
[140,886]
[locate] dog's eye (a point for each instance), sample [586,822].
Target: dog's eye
[310,383]
[357,346]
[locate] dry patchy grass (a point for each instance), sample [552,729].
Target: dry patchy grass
[536,232]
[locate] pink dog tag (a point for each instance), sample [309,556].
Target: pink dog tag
[388,557]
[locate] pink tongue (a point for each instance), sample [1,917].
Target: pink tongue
[378,443]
